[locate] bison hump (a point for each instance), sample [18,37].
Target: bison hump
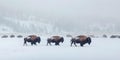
[82,37]
[28,37]
[56,37]
[33,37]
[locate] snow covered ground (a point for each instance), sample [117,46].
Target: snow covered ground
[100,49]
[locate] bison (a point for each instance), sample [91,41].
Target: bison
[81,39]
[55,39]
[33,39]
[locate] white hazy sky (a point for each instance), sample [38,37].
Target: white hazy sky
[67,8]
[72,12]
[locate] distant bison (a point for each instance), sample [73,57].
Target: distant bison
[12,36]
[33,39]
[68,35]
[19,36]
[104,36]
[81,39]
[4,36]
[114,36]
[55,39]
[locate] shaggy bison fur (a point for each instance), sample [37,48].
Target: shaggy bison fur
[81,40]
[33,39]
[55,39]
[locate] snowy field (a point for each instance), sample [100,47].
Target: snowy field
[100,49]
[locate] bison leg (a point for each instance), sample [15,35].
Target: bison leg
[81,44]
[75,44]
[71,43]
[33,43]
[25,42]
[56,43]
[38,41]
[48,42]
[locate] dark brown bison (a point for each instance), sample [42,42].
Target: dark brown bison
[55,39]
[82,39]
[33,39]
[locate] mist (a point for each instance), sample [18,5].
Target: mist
[88,16]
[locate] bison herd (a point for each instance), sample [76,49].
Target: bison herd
[82,40]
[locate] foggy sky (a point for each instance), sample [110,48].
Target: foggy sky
[66,13]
